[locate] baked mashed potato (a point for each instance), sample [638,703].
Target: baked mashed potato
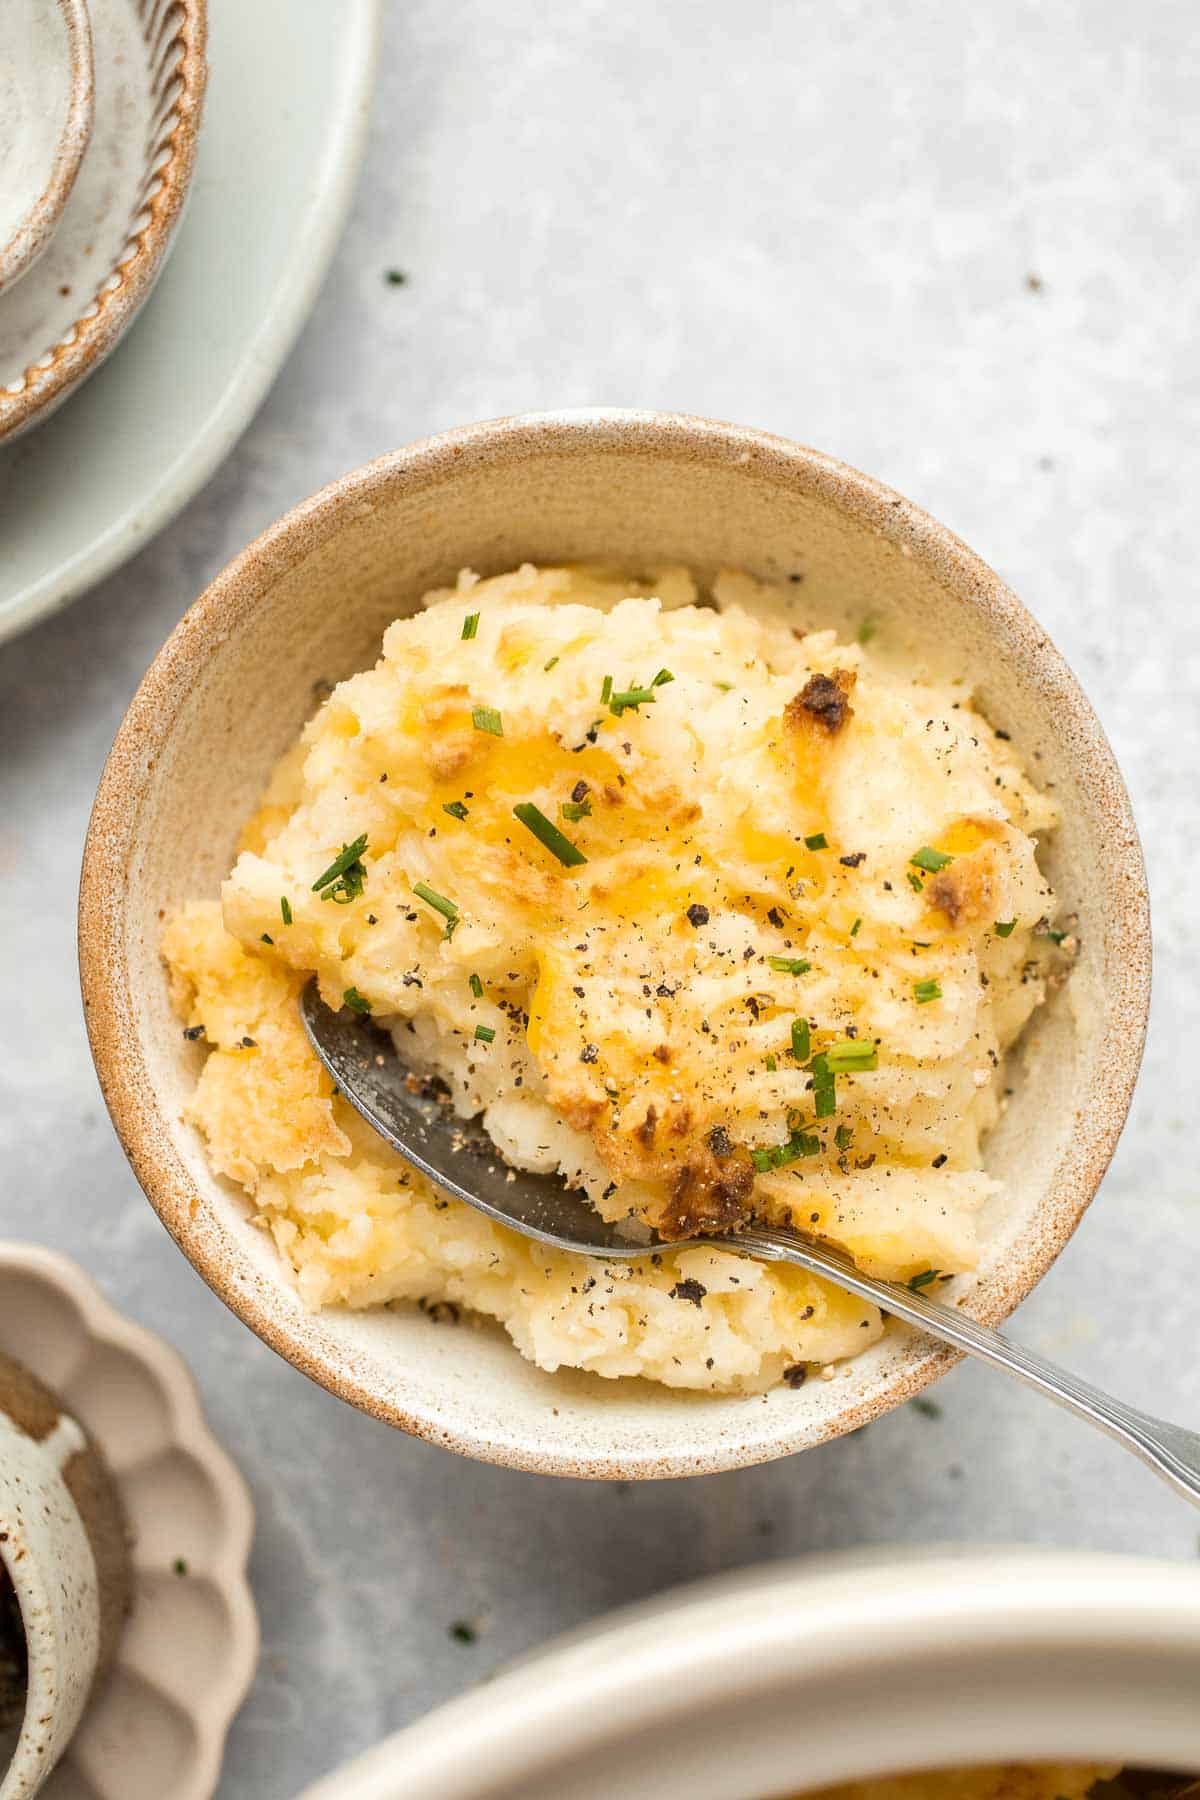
[1009,1781]
[712,916]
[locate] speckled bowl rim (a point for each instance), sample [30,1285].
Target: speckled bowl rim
[35,230]
[129,1091]
[170,160]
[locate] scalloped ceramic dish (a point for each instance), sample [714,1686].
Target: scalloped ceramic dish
[157,1726]
[59,322]
[310,601]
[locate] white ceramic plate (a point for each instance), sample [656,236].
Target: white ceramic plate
[156,1730]
[830,1669]
[288,96]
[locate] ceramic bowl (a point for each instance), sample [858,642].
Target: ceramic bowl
[46,105]
[59,322]
[800,1675]
[155,1727]
[309,601]
[63,1546]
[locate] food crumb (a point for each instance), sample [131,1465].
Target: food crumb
[928,1409]
[463,1632]
[179,1566]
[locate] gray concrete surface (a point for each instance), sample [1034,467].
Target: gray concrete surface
[956,245]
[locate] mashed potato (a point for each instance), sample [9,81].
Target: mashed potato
[708,915]
[1011,1781]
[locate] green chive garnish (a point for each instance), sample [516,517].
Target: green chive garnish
[843,1136]
[915,882]
[924,991]
[856,928]
[867,630]
[285,909]
[455,808]
[726,687]
[801,1039]
[798,1143]
[1004,927]
[476,987]
[849,1055]
[439,903]
[486,718]
[470,625]
[630,699]
[547,833]
[928,858]
[266,938]
[546,667]
[574,810]
[484,1034]
[772,1065]
[789,965]
[606,690]
[355,1001]
[662,678]
[923,1280]
[342,865]
[818,841]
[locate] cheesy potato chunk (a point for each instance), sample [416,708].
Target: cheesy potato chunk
[710,915]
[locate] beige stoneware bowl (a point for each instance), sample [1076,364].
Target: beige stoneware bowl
[308,603]
[832,1669]
[115,227]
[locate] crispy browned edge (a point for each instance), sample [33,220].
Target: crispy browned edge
[96,336]
[113,1028]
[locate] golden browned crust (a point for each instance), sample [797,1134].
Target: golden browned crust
[823,701]
[966,890]
[707,1193]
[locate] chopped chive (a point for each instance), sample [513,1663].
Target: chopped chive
[772,1065]
[726,687]
[470,625]
[798,1143]
[355,1001]
[606,690]
[801,1039]
[818,841]
[476,987]
[546,667]
[574,810]
[923,1280]
[856,928]
[630,699]
[662,678]
[486,718]
[439,903]
[928,858]
[1004,927]
[789,965]
[547,833]
[843,1136]
[484,1034]
[266,938]
[915,882]
[924,991]
[1056,937]
[342,868]
[867,630]
[824,1100]
[285,909]
[456,809]
[849,1055]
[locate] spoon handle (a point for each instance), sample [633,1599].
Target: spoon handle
[1169,1450]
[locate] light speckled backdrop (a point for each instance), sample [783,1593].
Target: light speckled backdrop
[956,245]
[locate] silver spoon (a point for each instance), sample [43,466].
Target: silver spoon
[409,1114]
